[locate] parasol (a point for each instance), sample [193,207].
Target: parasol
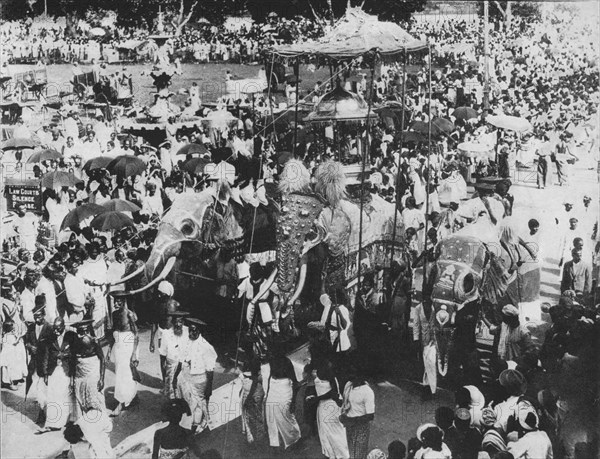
[17,144]
[79,214]
[192,149]
[438,126]
[59,179]
[195,165]
[97,32]
[126,166]
[44,155]
[340,105]
[355,34]
[99,162]
[464,113]
[110,221]
[120,205]
[511,123]
[410,136]
[220,119]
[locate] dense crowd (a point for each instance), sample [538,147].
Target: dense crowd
[24,41]
[64,300]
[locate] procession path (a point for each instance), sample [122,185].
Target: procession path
[400,409]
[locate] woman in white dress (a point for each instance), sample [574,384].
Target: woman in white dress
[280,403]
[332,433]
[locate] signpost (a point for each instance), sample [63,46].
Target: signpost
[26,192]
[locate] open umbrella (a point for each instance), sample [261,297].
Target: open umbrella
[438,126]
[464,113]
[126,166]
[511,123]
[17,144]
[80,213]
[195,165]
[442,125]
[110,221]
[58,179]
[410,136]
[44,155]
[120,205]
[97,32]
[192,149]
[99,162]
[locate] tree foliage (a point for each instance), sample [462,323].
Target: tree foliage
[503,10]
[391,10]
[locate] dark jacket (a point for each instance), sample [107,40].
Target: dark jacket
[33,345]
[62,304]
[52,354]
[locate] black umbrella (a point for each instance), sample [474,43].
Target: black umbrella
[192,149]
[80,213]
[17,144]
[99,162]
[59,179]
[195,165]
[126,166]
[465,113]
[111,220]
[44,155]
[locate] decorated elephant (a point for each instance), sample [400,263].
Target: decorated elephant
[326,215]
[476,264]
[323,215]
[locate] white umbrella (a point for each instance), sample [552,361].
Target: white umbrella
[511,123]
[475,149]
[97,32]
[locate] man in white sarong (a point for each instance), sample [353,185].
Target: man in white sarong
[55,349]
[172,344]
[194,375]
[94,272]
[125,345]
[26,224]
[423,332]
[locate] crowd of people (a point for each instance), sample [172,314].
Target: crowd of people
[67,312]
[27,42]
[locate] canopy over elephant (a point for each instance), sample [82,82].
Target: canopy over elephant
[300,215]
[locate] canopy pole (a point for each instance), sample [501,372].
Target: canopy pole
[428,175]
[390,280]
[269,95]
[296,73]
[362,178]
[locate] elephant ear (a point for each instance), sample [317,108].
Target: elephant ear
[496,279]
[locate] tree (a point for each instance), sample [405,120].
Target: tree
[504,10]
[391,10]
[181,18]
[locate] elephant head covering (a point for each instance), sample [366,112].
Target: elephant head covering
[295,178]
[331,182]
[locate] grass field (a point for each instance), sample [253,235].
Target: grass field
[209,77]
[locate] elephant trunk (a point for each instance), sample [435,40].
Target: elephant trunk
[166,246]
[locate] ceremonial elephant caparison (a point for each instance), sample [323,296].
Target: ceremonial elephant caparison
[302,214]
[473,264]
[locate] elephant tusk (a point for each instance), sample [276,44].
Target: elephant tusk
[137,272]
[164,273]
